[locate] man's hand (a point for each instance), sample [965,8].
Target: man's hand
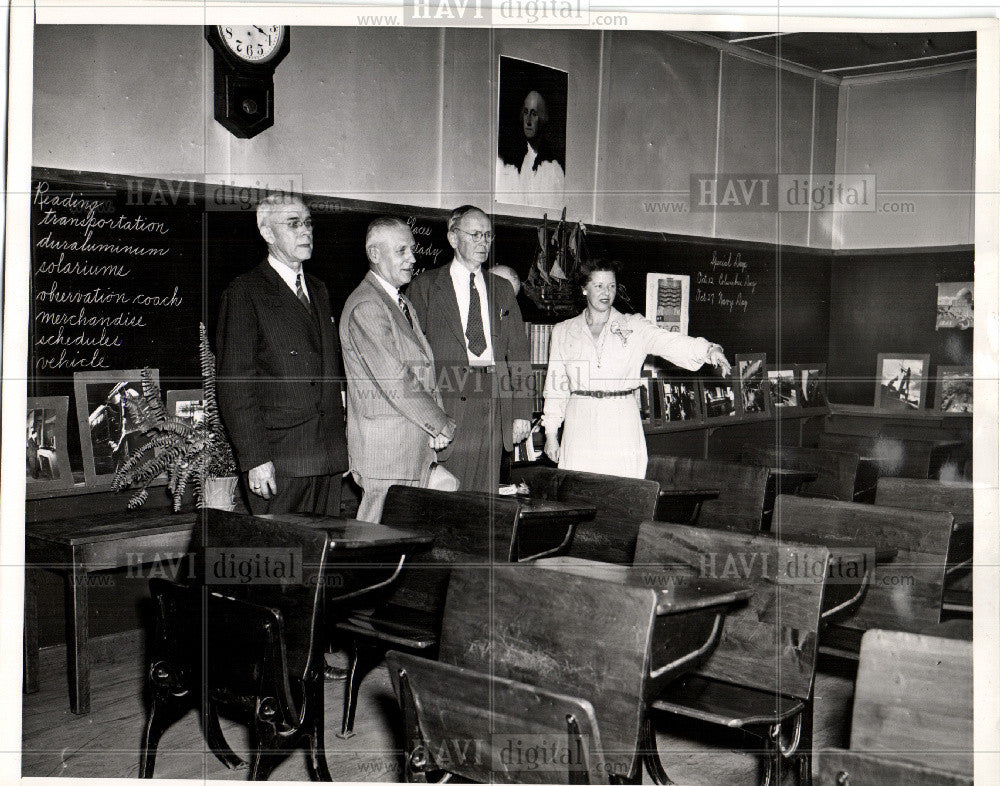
[440,442]
[521,430]
[552,448]
[718,359]
[261,480]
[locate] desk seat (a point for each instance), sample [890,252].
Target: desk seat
[399,626]
[725,704]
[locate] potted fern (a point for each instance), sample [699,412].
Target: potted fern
[197,456]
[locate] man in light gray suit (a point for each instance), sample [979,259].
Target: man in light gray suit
[395,420]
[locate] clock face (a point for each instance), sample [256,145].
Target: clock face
[252,43]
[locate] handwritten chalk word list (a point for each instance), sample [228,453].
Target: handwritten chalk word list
[85,313]
[726,284]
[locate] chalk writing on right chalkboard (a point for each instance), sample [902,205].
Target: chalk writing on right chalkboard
[87,302]
[726,284]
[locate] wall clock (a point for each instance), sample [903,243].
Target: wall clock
[245,59]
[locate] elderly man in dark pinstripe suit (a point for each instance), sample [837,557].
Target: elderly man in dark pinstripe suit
[278,370]
[395,420]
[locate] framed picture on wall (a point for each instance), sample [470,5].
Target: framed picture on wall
[752,385]
[811,380]
[667,301]
[782,387]
[108,433]
[901,380]
[532,106]
[46,455]
[681,400]
[719,397]
[953,392]
[187,405]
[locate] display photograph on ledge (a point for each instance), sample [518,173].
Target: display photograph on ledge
[901,381]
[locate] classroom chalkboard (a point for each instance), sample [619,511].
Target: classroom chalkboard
[124,268]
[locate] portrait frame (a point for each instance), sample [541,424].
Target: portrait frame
[752,386]
[93,390]
[50,453]
[545,187]
[675,289]
[687,392]
[718,398]
[945,399]
[783,387]
[810,381]
[176,400]
[891,366]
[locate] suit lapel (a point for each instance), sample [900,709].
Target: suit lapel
[449,303]
[286,306]
[397,315]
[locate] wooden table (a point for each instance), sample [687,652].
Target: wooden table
[782,480]
[80,546]
[682,505]
[677,640]
[545,527]
[849,571]
[689,615]
[786,480]
[76,548]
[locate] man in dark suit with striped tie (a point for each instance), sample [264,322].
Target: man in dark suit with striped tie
[278,372]
[481,352]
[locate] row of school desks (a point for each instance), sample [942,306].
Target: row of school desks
[596,521]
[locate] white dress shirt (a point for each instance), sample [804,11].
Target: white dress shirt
[460,281]
[288,276]
[390,290]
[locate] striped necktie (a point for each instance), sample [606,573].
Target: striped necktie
[300,293]
[406,311]
[474,330]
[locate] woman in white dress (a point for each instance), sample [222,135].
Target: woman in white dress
[592,383]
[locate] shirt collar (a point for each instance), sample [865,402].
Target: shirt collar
[390,290]
[287,274]
[460,273]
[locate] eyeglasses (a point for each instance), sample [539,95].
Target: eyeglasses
[477,236]
[295,224]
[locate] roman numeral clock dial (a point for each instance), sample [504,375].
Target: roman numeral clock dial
[245,59]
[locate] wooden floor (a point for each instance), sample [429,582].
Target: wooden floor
[105,743]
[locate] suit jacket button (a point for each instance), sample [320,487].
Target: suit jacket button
[463,398]
[312,382]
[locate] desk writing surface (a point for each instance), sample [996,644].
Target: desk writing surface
[677,591]
[108,526]
[350,534]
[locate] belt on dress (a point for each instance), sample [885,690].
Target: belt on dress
[604,393]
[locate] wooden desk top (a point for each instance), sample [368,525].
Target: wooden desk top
[103,527]
[536,508]
[676,592]
[351,534]
[843,548]
[793,475]
[695,494]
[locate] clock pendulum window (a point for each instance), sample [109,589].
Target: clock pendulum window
[245,59]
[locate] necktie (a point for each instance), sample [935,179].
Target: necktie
[300,293]
[405,310]
[474,330]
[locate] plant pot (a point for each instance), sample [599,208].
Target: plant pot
[219,493]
